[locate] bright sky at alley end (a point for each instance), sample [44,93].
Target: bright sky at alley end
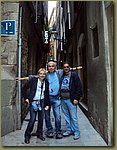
[51,5]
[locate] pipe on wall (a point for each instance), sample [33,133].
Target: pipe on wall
[61,27]
[19,68]
[36,11]
[69,14]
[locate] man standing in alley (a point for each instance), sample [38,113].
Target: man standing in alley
[54,86]
[70,92]
[54,79]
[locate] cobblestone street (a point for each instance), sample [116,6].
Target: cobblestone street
[89,136]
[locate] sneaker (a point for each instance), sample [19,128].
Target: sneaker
[50,134]
[67,133]
[27,140]
[76,137]
[41,137]
[59,136]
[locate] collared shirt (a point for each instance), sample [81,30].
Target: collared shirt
[38,94]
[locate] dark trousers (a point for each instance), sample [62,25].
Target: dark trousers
[33,115]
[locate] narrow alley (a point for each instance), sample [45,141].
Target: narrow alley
[80,33]
[89,136]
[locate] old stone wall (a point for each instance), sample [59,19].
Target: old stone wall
[96,69]
[10,117]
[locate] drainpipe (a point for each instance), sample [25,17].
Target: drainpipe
[69,14]
[108,72]
[36,12]
[64,30]
[61,28]
[19,69]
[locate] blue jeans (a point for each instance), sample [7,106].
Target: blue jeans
[70,114]
[33,114]
[55,104]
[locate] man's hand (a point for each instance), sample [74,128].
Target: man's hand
[75,102]
[47,107]
[76,68]
[23,78]
[79,67]
[27,101]
[17,78]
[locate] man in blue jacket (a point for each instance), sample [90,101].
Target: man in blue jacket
[70,92]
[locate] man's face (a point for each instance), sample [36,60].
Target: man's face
[66,68]
[51,66]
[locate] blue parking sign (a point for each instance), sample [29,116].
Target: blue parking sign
[8,27]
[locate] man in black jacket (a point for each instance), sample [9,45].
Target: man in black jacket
[70,91]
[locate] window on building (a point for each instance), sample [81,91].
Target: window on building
[95,41]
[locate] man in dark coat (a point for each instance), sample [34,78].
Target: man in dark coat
[70,92]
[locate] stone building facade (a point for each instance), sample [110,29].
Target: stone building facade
[10,114]
[87,40]
[85,37]
[21,55]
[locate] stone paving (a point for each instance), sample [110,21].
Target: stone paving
[89,136]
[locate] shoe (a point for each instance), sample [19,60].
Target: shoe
[67,133]
[50,134]
[76,137]
[41,137]
[27,140]
[59,136]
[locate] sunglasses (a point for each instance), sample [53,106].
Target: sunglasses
[66,66]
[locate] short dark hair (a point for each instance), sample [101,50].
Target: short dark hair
[66,62]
